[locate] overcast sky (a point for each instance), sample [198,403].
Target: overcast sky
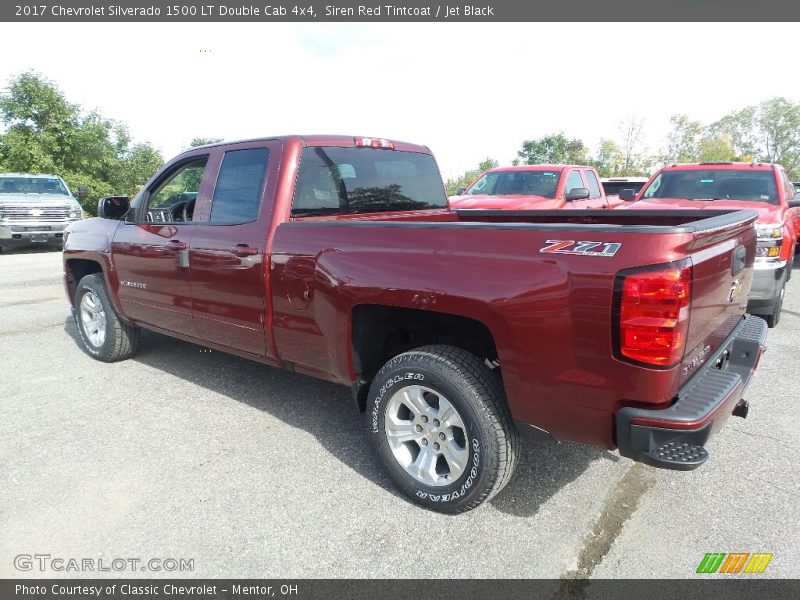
[468,91]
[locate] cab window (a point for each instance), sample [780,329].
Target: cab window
[237,193]
[573,181]
[594,185]
[173,198]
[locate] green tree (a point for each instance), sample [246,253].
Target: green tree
[631,130]
[608,159]
[683,139]
[46,133]
[202,141]
[555,148]
[739,128]
[453,185]
[715,147]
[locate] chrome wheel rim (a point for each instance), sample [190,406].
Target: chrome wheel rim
[93,319]
[426,435]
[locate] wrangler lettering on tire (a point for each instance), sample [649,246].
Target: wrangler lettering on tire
[438,421]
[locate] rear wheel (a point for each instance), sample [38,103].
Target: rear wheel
[438,421]
[103,334]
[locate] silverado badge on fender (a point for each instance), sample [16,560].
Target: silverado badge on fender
[581,248]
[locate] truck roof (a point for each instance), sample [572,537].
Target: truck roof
[345,141]
[757,166]
[544,167]
[31,175]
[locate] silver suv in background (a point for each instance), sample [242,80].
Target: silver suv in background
[35,209]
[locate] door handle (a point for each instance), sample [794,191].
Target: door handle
[177,245]
[242,250]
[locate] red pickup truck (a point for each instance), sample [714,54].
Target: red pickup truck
[337,257]
[763,187]
[536,187]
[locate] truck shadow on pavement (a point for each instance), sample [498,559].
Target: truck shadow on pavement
[325,410]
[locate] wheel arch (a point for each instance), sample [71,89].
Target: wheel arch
[380,332]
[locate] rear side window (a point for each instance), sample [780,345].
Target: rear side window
[573,181]
[340,181]
[594,185]
[237,193]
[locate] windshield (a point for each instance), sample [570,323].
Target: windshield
[32,185]
[711,184]
[341,181]
[527,183]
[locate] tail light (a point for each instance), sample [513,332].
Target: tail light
[652,314]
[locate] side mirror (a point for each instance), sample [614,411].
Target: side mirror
[113,207]
[627,194]
[577,194]
[794,202]
[460,191]
[83,192]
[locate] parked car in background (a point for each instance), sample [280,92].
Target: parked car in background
[35,209]
[337,257]
[612,186]
[535,187]
[764,187]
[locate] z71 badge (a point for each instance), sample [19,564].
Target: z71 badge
[581,248]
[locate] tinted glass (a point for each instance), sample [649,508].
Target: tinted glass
[180,187]
[32,185]
[710,184]
[365,180]
[237,193]
[573,181]
[594,185]
[509,183]
[614,187]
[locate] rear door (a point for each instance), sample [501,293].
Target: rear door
[150,250]
[228,252]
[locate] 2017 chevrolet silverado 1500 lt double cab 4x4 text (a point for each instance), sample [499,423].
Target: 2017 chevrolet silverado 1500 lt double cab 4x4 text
[338,257]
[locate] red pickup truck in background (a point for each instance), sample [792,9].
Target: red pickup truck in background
[538,187]
[337,257]
[758,186]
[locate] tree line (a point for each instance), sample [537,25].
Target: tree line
[45,133]
[767,132]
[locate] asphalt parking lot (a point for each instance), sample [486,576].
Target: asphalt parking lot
[253,472]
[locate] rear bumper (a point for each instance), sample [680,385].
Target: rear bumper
[673,438]
[768,280]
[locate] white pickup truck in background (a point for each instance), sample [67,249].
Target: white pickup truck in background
[35,209]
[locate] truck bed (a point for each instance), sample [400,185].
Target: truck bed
[550,313]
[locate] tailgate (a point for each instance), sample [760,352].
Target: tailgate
[722,272]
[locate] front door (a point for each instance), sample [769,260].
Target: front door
[150,250]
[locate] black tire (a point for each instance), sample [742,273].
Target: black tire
[789,266]
[488,439]
[774,318]
[120,339]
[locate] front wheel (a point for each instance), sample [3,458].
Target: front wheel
[103,334]
[438,421]
[774,318]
